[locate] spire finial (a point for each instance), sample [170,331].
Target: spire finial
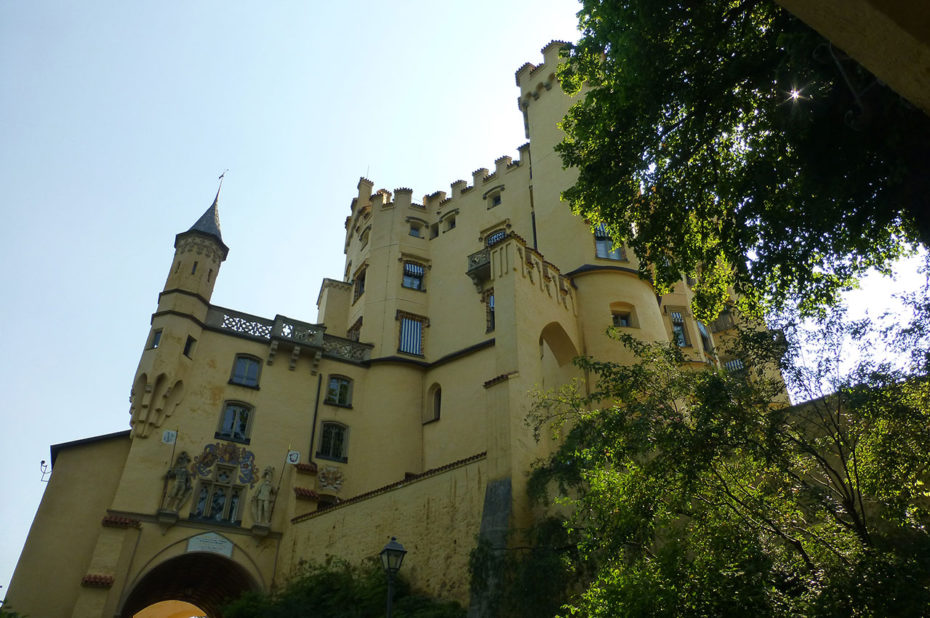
[221,177]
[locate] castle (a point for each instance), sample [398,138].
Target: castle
[256,443]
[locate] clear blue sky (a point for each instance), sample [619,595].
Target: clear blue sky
[116,119]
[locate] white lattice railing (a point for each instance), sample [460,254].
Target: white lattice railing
[287,329]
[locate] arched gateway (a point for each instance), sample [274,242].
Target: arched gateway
[206,580]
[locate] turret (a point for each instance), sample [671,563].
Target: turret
[177,325]
[198,254]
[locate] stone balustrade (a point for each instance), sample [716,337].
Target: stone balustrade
[284,329]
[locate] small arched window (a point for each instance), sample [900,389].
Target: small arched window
[433,404]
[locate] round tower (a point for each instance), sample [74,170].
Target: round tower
[177,325]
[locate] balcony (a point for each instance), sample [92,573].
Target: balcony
[479,266]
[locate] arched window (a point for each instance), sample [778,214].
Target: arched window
[339,391]
[245,371]
[235,422]
[333,442]
[433,404]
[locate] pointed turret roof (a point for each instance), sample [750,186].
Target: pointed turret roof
[208,225]
[209,221]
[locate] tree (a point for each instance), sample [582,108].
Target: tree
[702,493]
[727,138]
[337,589]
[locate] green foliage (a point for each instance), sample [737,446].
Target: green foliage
[337,589]
[691,148]
[698,492]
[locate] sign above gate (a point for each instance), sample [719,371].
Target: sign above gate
[210,542]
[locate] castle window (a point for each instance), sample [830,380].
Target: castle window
[433,404]
[359,284]
[679,334]
[623,315]
[416,230]
[411,333]
[705,337]
[604,245]
[194,268]
[450,223]
[489,310]
[219,499]
[245,371]
[235,423]
[333,442]
[413,276]
[433,231]
[494,196]
[156,338]
[355,330]
[339,391]
[734,365]
[189,346]
[496,236]
[623,318]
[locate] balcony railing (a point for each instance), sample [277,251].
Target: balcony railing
[479,266]
[287,330]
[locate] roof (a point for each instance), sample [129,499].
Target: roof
[57,448]
[209,221]
[209,225]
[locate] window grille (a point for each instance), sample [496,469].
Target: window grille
[496,237]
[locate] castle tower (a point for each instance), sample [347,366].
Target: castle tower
[158,386]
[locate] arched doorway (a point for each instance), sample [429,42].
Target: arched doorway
[206,580]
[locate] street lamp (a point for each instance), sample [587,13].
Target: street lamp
[391,558]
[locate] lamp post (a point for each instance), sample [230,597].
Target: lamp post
[391,558]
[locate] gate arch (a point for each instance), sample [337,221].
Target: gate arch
[206,580]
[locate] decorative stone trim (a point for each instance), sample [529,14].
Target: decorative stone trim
[96,580]
[306,468]
[115,521]
[305,493]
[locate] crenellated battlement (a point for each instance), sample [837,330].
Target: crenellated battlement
[536,79]
[402,197]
